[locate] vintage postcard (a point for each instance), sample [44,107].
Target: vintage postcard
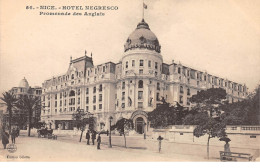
[129,81]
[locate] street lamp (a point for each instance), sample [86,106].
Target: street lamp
[110,120]
[144,131]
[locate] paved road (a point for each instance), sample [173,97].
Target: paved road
[42,149]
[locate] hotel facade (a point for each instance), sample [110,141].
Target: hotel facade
[130,88]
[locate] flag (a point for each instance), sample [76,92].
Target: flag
[145,6]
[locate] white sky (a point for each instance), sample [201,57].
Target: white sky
[219,36]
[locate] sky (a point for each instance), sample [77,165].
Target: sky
[221,37]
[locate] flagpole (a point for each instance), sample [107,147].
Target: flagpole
[143,9]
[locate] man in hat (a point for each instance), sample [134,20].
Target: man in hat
[93,137]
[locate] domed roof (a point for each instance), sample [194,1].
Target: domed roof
[142,37]
[24,83]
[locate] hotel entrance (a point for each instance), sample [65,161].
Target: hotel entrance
[139,125]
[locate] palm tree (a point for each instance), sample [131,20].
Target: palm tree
[30,105]
[9,100]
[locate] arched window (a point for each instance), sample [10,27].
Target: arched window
[72,93]
[140,84]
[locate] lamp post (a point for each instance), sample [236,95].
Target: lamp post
[110,120]
[144,131]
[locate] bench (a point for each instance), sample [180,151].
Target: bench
[232,156]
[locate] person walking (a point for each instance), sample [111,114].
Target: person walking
[98,141]
[87,137]
[5,139]
[13,135]
[93,137]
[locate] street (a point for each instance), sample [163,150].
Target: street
[69,149]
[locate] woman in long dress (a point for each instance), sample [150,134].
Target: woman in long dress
[227,148]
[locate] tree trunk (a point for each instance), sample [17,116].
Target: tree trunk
[208,147]
[10,119]
[81,135]
[29,123]
[125,140]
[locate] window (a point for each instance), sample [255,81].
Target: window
[60,95]
[100,97]
[78,100]
[104,68]
[72,93]
[141,71]
[140,84]
[133,63]
[188,91]
[149,64]
[158,96]
[140,104]
[198,83]
[188,101]
[156,65]
[141,63]
[126,64]
[87,91]
[123,105]
[72,76]
[55,103]
[55,96]
[100,88]
[123,85]
[65,103]
[94,89]
[100,106]
[181,89]
[87,100]
[94,107]
[123,95]
[60,103]
[78,91]
[181,99]
[140,95]
[86,108]
[158,86]
[94,99]
[179,70]
[205,77]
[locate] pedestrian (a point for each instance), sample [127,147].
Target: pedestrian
[98,141]
[160,142]
[87,137]
[5,139]
[13,135]
[227,148]
[93,137]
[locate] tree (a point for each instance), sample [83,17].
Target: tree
[123,126]
[82,119]
[10,101]
[209,105]
[211,127]
[245,112]
[31,106]
[165,114]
